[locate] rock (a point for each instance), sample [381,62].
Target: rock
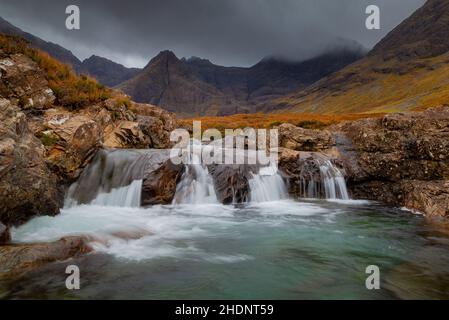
[156,123]
[299,139]
[126,134]
[71,139]
[23,82]
[430,197]
[389,159]
[303,171]
[27,185]
[232,182]
[159,185]
[20,258]
[5,235]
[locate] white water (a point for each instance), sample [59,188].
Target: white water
[267,186]
[322,179]
[196,187]
[334,182]
[127,196]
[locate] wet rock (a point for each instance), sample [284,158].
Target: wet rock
[27,185]
[431,197]
[5,235]
[299,139]
[400,159]
[159,185]
[232,182]
[20,258]
[303,172]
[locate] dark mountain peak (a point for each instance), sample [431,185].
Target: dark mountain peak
[97,59]
[163,58]
[422,35]
[106,71]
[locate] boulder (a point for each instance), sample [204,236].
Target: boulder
[155,122]
[71,140]
[430,197]
[159,185]
[19,258]
[299,139]
[232,182]
[5,235]
[27,186]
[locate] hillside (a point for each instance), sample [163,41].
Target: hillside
[54,50]
[407,70]
[192,87]
[105,71]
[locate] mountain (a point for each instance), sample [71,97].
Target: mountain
[106,71]
[56,51]
[407,70]
[195,86]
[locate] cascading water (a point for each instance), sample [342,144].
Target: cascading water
[322,179]
[114,178]
[334,182]
[196,186]
[267,185]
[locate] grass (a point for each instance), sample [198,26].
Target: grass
[266,121]
[424,85]
[71,91]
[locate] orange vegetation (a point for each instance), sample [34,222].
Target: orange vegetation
[70,90]
[261,120]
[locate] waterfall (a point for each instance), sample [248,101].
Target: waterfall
[267,185]
[334,182]
[322,179]
[196,186]
[128,196]
[114,178]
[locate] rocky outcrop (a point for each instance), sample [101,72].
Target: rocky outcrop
[430,197]
[159,185]
[44,147]
[20,258]
[71,140]
[27,186]
[155,123]
[299,139]
[24,83]
[5,235]
[400,159]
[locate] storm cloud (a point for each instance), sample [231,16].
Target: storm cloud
[228,32]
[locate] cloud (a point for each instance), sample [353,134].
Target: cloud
[228,32]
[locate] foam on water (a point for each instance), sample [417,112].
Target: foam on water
[160,231]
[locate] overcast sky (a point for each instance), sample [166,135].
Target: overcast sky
[227,32]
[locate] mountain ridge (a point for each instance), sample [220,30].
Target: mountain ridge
[107,72]
[407,70]
[196,86]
